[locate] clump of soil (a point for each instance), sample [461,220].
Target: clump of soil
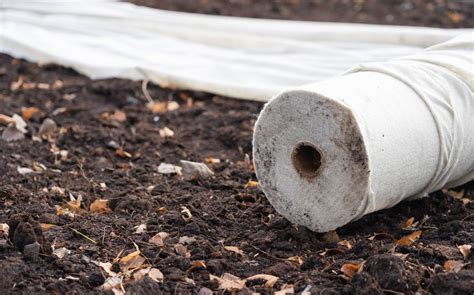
[197,232]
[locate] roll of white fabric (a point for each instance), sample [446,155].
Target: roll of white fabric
[330,152]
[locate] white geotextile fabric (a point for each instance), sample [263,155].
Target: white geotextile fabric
[385,132]
[398,125]
[238,57]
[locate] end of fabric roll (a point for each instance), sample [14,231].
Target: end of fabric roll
[311,161]
[307,160]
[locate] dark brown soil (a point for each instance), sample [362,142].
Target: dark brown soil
[440,13]
[224,211]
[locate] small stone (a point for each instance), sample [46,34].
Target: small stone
[31,251]
[95,279]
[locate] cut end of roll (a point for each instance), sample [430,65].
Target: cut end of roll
[307,160]
[310,160]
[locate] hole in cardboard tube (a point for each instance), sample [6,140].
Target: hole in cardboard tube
[307,159]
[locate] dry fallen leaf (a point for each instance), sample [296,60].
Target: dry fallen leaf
[4,229]
[331,237]
[345,243]
[186,214]
[349,269]
[251,184]
[285,290]
[270,280]
[158,239]
[153,273]
[46,226]
[166,132]
[454,194]
[197,265]
[234,249]
[455,17]
[139,229]
[410,239]
[465,250]
[409,222]
[296,260]
[122,153]
[229,282]
[165,168]
[182,250]
[112,283]
[453,265]
[119,116]
[27,113]
[131,261]
[193,170]
[156,275]
[24,170]
[161,107]
[5,120]
[61,252]
[211,160]
[100,206]
[47,128]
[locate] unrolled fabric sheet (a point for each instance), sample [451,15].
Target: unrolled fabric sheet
[330,152]
[236,57]
[398,125]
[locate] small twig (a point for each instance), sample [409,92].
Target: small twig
[267,254]
[145,91]
[470,215]
[83,235]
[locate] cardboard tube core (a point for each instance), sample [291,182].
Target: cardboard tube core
[307,159]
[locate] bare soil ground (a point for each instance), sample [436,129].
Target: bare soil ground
[107,146]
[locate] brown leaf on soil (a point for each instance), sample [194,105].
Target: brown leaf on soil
[296,260]
[182,250]
[119,116]
[100,206]
[454,194]
[197,265]
[349,269]
[4,229]
[331,237]
[465,250]
[453,265]
[47,128]
[27,113]
[251,184]
[158,239]
[234,249]
[345,243]
[186,214]
[229,282]
[455,17]
[166,132]
[162,107]
[409,222]
[194,170]
[211,160]
[270,280]
[11,133]
[153,273]
[131,261]
[410,239]
[156,275]
[122,153]
[5,120]
[74,204]
[46,226]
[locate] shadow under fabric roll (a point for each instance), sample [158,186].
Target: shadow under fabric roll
[330,152]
